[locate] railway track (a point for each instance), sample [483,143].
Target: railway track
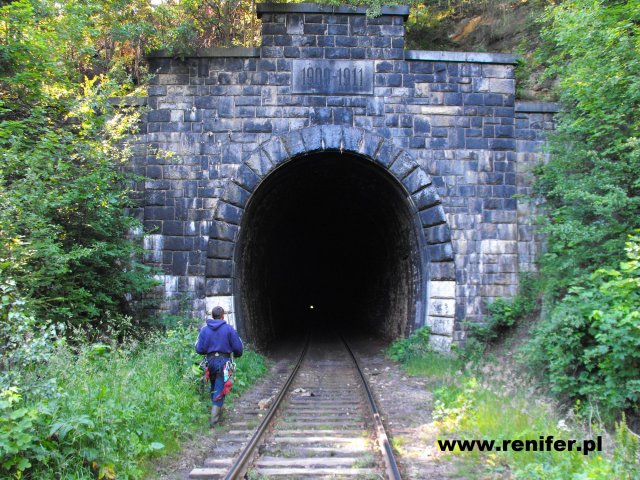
[323,423]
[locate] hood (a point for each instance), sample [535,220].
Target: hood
[215,324]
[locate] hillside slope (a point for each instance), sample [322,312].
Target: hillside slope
[505,26]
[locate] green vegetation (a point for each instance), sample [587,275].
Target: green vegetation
[63,188]
[470,408]
[503,316]
[490,403]
[434,366]
[590,344]
[70,334]
[463,25]
[587,343]
[414,345]
[103,409]
[591,186]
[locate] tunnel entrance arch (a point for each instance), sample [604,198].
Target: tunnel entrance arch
[339,219]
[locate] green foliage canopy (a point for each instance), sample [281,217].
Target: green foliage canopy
[63,188]
[592,184]
[588,343]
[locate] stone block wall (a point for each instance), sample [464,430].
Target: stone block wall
[534,122]
[450,119]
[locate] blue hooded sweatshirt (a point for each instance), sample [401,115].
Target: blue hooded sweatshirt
[218,336]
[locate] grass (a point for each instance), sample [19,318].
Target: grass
[366,461]
[495,404]
[107,410]
[398,442]
[482,411]
[434,367]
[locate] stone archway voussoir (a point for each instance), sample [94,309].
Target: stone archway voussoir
[418,179]
[294,143]
[228,213]
[441,252]
[403,165]
[276,151]
[235,195]
[352,138]
[247,178]
[432,216]
[370,144]
[332,137]
[437,234]
[221,230]
[312,138]
[426,197]
[386,154]
[259,162]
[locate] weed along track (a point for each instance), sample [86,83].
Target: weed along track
[323,423]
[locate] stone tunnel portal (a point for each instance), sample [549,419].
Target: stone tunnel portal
[329,240]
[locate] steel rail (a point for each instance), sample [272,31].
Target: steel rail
[247,452]
[383,441]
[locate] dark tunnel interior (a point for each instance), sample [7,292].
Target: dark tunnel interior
[327,242]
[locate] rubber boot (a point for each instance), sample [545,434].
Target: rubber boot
[215,415]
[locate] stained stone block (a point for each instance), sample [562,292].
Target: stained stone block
[220,249]
[247,178]
[498,247]
[442,289]
[294,143]
[260,163]
[440,252]
[371,143]
[440,343]
[426,198]
[223,231]
[437,234]
[235,195]
[432,216]
[159,213]
[228,213]
[331,137]
[276,150]
[218,286]
[219,268]
[321,116]
[441,325]
[403,165]
[351,139]
[312,138]
[417,180]
[386,154]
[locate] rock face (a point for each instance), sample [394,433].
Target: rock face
[426,151]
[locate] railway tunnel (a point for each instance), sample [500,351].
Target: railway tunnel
[328,241]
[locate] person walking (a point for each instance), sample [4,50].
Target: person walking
[217,340]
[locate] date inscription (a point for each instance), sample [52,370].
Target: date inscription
[331,77]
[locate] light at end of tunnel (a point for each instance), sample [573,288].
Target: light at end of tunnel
[310,307]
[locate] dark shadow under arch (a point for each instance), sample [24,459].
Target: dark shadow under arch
[328,241]
[311,146]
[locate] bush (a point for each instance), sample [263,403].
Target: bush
[64,190]
[25,343]
[19,444]
[107,408]
[416,345]
[590,345]
[503,316]
[590,185]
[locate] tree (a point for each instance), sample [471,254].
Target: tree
[63,191]
[591,186]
